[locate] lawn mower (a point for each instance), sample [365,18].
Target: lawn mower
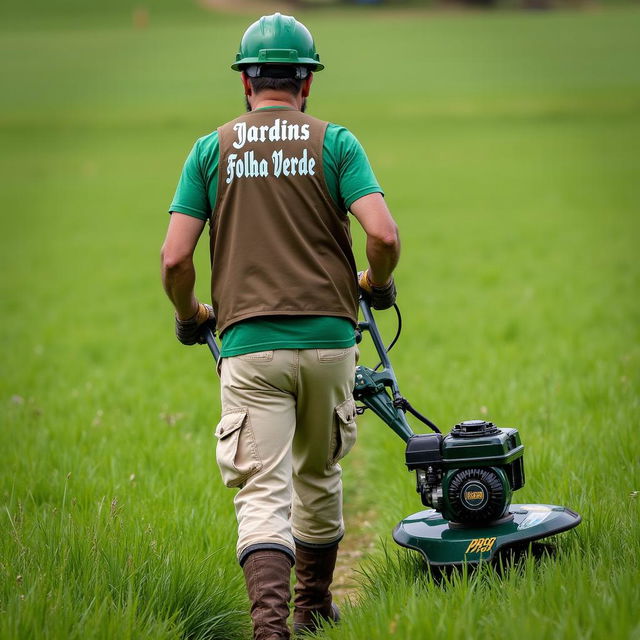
[466,478]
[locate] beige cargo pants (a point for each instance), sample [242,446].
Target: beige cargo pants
[288,417]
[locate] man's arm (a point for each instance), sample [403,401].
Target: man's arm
[178,271]
[383,241]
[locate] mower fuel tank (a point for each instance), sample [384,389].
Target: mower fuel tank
[476,442]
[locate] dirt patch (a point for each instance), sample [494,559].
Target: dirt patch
[360,537]
[358,541]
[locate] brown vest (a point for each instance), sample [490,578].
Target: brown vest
[279,244]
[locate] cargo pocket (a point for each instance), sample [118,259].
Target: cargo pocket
[236,452]
[344,431]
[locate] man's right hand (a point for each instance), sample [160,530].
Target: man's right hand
[381,296]
[189,331]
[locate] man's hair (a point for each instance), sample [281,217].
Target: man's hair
[290,85]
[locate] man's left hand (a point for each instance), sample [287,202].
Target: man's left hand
[189,331]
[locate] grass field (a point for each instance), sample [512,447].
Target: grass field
[508,148]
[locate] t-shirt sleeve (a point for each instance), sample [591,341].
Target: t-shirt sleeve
[356,177]
[191,196]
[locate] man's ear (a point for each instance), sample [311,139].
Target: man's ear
[248,90]
[306,85]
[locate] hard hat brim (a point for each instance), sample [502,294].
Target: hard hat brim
[314,65]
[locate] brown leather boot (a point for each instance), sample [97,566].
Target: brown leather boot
[314,573]
[267,574]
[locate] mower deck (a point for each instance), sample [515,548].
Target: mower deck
[443,543]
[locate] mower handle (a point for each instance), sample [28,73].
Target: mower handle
[369,324]
[209,337]
[370,383]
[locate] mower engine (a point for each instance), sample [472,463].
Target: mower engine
[469,475]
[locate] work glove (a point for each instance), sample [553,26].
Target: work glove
[190,331]
[380,297]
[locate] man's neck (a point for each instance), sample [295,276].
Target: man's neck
[275,100]
[273,103]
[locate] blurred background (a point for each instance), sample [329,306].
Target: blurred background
[505,134]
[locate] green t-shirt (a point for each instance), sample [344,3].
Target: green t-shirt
[348,175]
[287,332]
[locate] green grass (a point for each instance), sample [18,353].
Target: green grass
[507,146]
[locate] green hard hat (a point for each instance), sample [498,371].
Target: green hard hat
[277,39]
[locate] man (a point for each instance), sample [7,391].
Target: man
[276,186]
